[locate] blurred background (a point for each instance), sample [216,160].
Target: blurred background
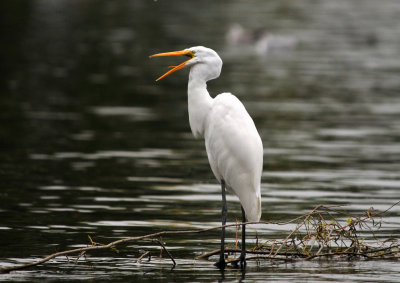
[90,144]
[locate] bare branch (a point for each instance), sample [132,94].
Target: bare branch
[139,260]
[168,253]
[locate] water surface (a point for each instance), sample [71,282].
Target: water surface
[91,145]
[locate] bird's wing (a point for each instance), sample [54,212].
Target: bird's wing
[234,147]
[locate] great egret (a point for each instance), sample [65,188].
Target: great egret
[233,145]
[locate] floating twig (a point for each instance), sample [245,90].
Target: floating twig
[139,260]
[168,253]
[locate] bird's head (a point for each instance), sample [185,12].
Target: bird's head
[205,62]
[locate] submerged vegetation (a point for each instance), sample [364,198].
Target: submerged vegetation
[326,232]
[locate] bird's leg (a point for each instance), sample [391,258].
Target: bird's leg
[221,263]
[243,253]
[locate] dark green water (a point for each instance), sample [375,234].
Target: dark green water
[91,145]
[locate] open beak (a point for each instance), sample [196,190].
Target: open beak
[175,53]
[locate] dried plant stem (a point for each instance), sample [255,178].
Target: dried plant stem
[168,253]
[297,227]
[139,260]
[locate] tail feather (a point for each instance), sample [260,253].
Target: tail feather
[253,209]
[250,198]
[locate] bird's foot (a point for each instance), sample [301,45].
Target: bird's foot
[221,263]
[243,260]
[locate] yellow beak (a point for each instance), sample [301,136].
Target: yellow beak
[175,53]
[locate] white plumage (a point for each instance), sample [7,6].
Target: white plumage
[233,145]
[235,151]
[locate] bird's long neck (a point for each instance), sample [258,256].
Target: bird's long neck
[199,103]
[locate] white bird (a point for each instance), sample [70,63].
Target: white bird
[234,147]
[259,41]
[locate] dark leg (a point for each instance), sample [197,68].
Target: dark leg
[221,263]
[243,253]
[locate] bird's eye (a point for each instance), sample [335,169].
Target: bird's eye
[190,54]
